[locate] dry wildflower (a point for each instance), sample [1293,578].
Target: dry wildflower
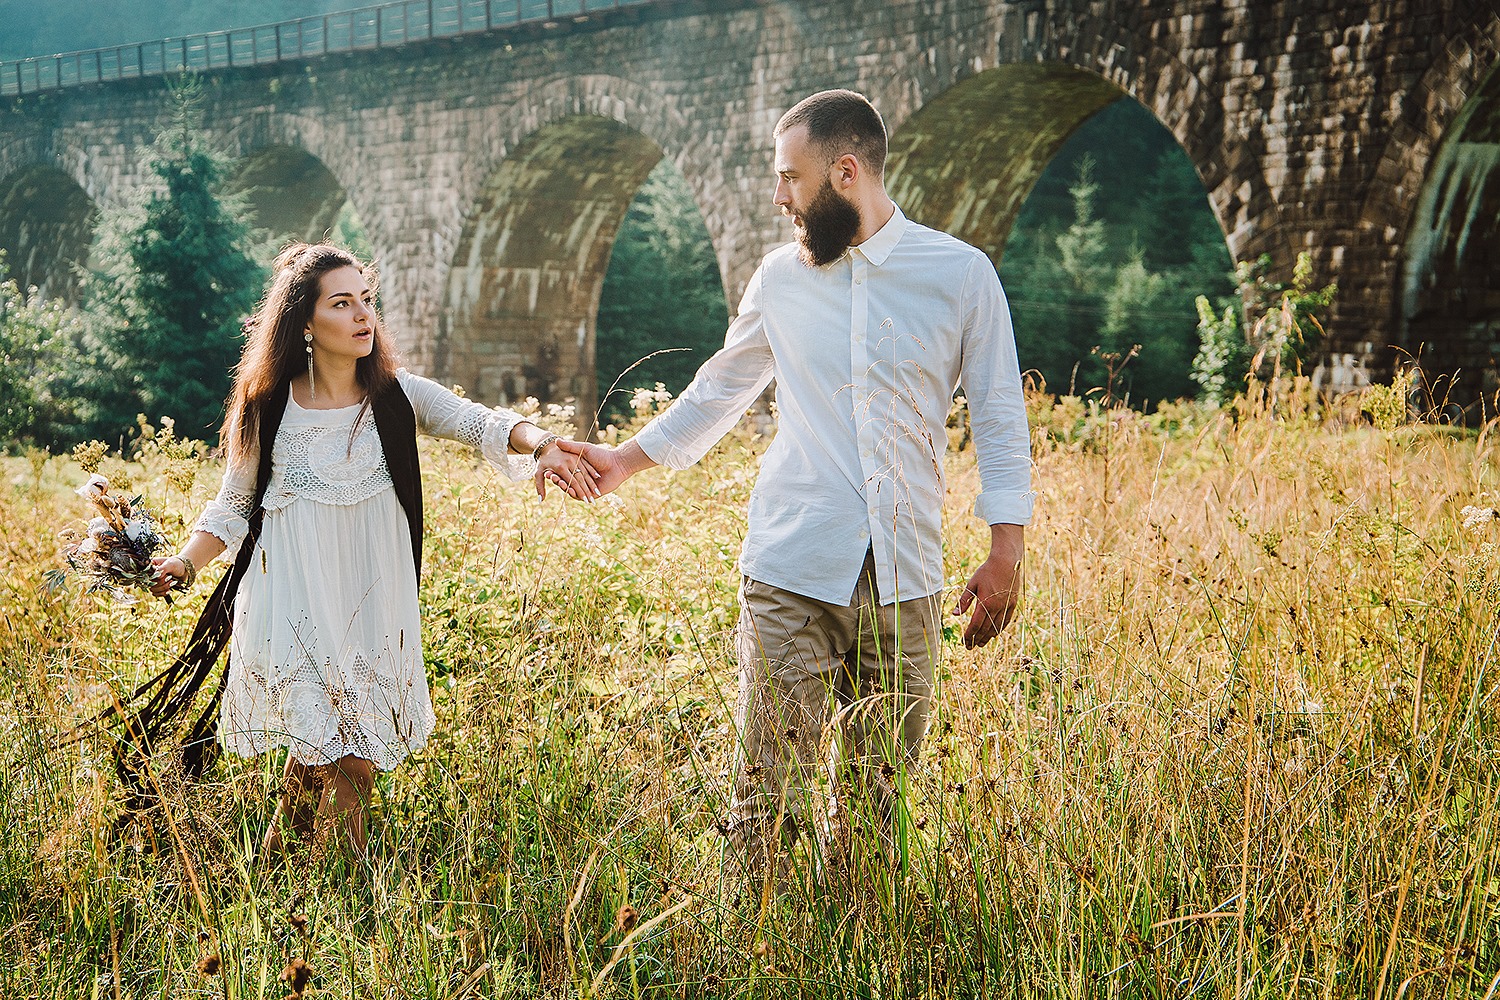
[115,553]
[299,923]
[472,946]
[761,949]
[1478,518]
[647,401]
[297,975]
[625,919]
[208,965]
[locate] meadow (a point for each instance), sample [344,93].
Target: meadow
[1241,741]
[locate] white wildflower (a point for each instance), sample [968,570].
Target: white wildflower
[1476,518]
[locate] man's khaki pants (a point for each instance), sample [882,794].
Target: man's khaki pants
[804,663]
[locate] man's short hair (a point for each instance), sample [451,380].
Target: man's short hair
[839,122]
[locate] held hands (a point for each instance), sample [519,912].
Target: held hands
[611,466]
[566,470]
[994,590]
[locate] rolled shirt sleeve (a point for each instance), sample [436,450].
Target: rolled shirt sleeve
[991,378]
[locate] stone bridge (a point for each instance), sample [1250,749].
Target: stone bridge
[491,168]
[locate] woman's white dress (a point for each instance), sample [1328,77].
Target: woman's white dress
[325,657]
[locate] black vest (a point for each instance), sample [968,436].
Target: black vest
[171,693]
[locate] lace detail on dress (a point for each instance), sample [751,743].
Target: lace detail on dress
[445,415]
[471,425]
[316,460]
[324,712]
[227,515]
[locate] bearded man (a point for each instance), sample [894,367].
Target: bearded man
[867,324]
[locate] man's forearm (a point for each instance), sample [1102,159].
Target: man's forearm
[1008,543]
[633,458]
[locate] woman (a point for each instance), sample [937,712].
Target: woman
[325,650]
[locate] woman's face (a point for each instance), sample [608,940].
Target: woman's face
[343,321]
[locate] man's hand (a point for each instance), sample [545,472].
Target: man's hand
[567,471]
[611,466]
[994,590]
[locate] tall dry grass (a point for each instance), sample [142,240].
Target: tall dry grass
[1241,742]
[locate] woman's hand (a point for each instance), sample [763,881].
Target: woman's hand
[612,466]
[171,574]
[569,472]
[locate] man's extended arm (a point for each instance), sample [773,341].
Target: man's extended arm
[716,399]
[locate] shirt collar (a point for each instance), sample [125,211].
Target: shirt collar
[878,247]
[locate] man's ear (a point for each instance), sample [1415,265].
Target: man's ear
[849,168]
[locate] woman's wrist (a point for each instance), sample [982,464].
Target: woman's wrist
[189,571]
[546,442]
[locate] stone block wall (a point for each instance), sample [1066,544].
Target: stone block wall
[1312,123]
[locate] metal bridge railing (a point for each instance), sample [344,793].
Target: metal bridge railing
[378,27]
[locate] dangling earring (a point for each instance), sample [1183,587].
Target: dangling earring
[312,389]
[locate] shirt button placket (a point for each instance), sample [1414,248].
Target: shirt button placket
[859,315]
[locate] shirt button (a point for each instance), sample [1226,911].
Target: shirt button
[859,281]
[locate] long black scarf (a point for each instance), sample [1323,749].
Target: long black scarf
[170,694]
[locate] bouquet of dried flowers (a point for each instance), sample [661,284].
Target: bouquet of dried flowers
[114,554]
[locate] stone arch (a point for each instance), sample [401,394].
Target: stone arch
[521,296]
[1084,63]
[1449,285]
[1428,113]
[523,291]
[274,149]
[966,161]
[46,228]
[1429,167]
[290,193]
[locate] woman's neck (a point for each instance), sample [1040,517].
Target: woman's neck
[334,383]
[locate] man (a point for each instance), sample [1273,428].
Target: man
[867,323]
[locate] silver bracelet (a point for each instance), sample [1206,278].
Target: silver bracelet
[190,575]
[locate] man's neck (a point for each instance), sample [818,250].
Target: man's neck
[873,216]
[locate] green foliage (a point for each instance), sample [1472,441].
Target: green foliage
[1267,330]
[36,340]
[1107,254]
[661,293]
[1388,405]
[174,279]
[1223,354]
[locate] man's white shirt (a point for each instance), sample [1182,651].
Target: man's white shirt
[866,354]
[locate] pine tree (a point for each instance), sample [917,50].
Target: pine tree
[174,281]
[662,292]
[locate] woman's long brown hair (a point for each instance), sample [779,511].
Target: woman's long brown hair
[275,348]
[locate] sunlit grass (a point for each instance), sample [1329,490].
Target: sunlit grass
[1241,742]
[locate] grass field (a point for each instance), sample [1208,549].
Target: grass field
[1241,742]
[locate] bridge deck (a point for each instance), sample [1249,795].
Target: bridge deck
[381,26]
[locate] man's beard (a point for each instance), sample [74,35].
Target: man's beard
[829,225]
